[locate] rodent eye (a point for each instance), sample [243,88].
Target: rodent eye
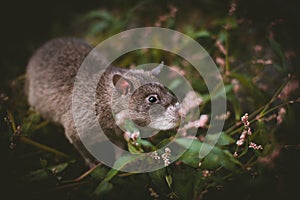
[152,99]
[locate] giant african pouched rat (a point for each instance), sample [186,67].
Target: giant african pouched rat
[50,77]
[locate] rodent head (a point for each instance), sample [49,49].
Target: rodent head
[148,103]
[152,105]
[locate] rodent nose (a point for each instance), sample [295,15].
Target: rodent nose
[177,105]
[174,108]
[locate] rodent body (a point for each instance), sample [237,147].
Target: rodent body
[50,77]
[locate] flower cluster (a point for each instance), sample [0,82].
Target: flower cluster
[254,146]
[166,156]
[154,155]
[200,123]
[153,193]
[232,9]
[280,115]
[290,90]
[191,100]
[262,61]
[206,173]
[131,136]
[223,116]
[246,131]
[164,18]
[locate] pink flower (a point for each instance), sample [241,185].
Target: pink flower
[254,146]
[200,123]
[232,9]
[221,47]
[257,48]
[280,115]
[289,90]
[190,101]
[246,131]
[220,61]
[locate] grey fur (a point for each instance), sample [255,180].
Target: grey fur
[50,76]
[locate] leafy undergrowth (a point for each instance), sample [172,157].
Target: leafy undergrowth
[261,89]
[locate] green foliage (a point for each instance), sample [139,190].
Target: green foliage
[42,174]
[215,159]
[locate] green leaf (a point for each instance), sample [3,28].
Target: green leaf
[130,126]
[236,106]
[158,179]
[59,168]
[32,119]
[146,143]
[229,161]
[43,163]
[104,185]
[103,188]
[121,163]
[203,33]
[243,79]
[191,156]
[245,150]
[37,175]
[216,158]
[163,143]
[98,27]
[223,140]
[104,15]
[169,180]
[42,174]
[247,83]
[222,36]
[276,47]
[183,181]
[218,92]
[99,172]
[132,148]
[198,183]
[157,176]
[191,144]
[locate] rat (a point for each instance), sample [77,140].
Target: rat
[50,76]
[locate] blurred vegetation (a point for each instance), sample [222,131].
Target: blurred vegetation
[252,42]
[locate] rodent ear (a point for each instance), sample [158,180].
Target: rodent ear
[122,85]
[157,69]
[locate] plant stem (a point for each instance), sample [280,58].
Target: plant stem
[26,140]
[41,125]
[12,121]
[230,129]
[227,67]
[262,110]
[85,174]
[273,98]
[71,185]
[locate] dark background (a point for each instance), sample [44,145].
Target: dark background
[27,24]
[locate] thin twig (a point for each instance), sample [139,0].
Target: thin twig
[85,174]
[227,66]
[26,140]
[261,112]
[274,97]
[41,125]
[12,121]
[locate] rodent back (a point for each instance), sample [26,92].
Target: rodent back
[51,73]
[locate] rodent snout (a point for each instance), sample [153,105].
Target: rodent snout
[177,105]
[174,108]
